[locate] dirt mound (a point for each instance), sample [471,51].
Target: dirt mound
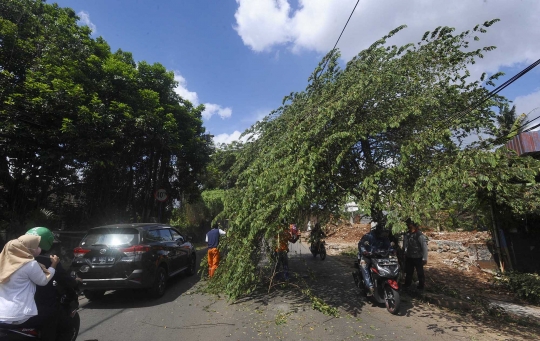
[446,272]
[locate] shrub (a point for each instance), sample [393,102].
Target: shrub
[525,285]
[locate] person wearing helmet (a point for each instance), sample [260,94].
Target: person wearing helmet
[20,273]
[51,319]
[316,235]
[376,239]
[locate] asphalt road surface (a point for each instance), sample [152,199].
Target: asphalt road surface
[282,314]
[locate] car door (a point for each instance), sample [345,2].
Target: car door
[172,250]
[182,246]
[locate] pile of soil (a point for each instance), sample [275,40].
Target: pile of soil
[443,274]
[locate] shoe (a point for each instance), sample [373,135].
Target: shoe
[370,291]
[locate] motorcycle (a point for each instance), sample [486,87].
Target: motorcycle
[384,272]
[69,305]
[318,248]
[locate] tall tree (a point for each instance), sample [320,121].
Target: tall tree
[509,124]
[87,133]
[379,130]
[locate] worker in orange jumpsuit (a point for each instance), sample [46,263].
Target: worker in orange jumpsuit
[212,238]
[283,238]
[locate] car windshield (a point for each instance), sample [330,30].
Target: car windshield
[111,237]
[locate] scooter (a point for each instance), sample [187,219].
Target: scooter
[69,305]
[384,272]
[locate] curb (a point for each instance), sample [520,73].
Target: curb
[458,304]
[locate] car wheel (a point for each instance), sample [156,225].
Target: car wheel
[191,270]
[160,282]
[94,295]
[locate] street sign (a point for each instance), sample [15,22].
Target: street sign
[161,195]
[351,207]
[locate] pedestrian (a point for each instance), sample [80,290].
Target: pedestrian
[212,238]
[416,254]
[19,275]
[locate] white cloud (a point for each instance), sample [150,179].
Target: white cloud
[227,138]
[182,90]
[84,18]
[316,24]
[210,108]
[529,104]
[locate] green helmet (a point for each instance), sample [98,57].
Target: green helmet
[47,237]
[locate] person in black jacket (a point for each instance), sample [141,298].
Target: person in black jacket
[416,253]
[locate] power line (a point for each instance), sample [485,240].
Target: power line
[490,94]
[343,30]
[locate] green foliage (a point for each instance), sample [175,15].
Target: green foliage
[281,317]
[195,218]
[87,133]
[509,124]
[524,285]
[319,305]
[385,131]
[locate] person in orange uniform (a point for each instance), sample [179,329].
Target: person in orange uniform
[283,238]
[212,238]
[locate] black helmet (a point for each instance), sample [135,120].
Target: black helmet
[409,221]
[379,230]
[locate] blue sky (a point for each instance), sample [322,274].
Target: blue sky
[241,57]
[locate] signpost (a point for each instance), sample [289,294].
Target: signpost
[351,207]
[161,196]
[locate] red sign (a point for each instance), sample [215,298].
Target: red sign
[161,195]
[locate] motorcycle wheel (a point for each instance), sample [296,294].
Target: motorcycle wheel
[392,299]
[76,326]
[322,253]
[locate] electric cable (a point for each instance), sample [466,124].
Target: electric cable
[343,30]
[490,95]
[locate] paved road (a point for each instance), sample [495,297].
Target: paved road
[283,314]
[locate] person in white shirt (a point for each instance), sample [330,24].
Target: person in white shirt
[19,275]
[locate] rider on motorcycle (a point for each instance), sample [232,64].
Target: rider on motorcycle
[52,319]
[376,239]
[317,234]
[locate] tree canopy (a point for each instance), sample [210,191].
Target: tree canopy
[84,132]
[386,130]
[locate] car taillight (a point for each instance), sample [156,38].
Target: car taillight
[79,251]
[135,250]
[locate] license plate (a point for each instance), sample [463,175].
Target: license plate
[103,260]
